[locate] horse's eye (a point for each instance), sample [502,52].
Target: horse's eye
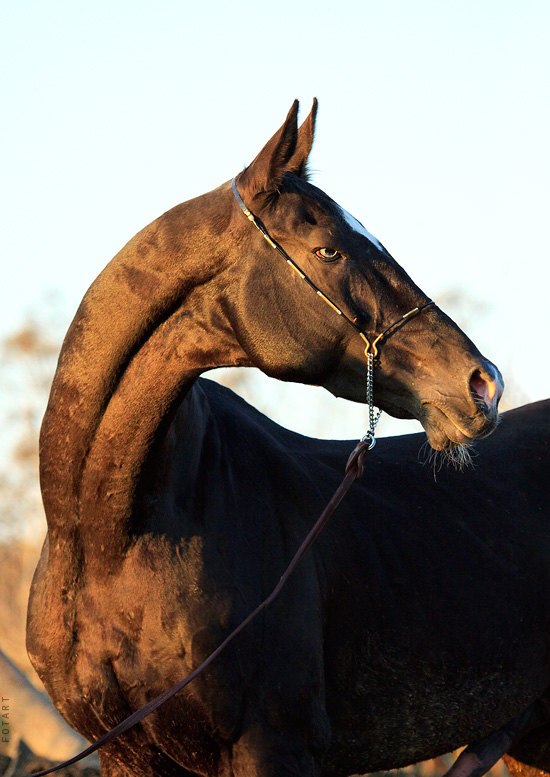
[328,254]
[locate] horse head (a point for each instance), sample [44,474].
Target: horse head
[426,367]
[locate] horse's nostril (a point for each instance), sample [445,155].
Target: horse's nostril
[483,389]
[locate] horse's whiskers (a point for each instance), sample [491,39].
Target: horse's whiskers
[424,452]
[459,457]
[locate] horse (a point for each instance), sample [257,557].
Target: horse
[418,620]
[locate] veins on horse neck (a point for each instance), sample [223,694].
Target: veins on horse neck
[154,384]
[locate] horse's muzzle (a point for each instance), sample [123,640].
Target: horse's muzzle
[450,420]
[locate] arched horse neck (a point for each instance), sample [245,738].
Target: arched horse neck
[125,366]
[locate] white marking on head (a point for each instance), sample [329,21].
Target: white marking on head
[360,229]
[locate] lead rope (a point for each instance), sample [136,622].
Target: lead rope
[353,471]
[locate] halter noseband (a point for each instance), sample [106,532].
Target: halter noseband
[371,351]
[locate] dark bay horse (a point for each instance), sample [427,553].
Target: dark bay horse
[419,620]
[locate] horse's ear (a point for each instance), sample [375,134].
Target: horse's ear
[265,173]
[306,133]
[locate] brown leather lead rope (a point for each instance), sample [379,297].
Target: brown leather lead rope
[477,754]
[354,470]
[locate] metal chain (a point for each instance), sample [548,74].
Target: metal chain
[374,416]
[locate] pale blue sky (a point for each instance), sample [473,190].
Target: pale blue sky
[433,130]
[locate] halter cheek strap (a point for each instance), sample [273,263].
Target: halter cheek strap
[371,350]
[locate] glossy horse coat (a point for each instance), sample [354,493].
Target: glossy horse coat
[418,621]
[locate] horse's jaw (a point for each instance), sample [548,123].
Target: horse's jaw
[446,428]
[451,418]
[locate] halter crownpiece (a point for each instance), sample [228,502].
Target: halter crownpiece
[371,350]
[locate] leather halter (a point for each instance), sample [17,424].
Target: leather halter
[371,350]
[370,347]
